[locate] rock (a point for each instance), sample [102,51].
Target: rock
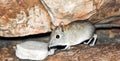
[86,53]
[21,18]
[6,54]
[70,10]
[33,50]
[28,17]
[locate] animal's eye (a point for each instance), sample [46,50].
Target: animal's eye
[57,36]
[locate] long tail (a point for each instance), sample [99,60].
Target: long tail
[107,26]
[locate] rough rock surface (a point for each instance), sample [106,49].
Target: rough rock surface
[71,10]
[76,53]
[28,17]
[107,48]
[21,18]
[86,53]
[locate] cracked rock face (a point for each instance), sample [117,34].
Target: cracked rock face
[20,18]
[28,17]
[70,10]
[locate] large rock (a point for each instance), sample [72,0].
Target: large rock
[20,18]
[28,17]
[70,10]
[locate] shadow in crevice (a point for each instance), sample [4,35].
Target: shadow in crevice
[25,37]
[9,41]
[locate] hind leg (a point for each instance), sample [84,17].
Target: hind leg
[95,38]
[88,41]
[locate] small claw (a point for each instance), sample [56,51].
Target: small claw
[95,38]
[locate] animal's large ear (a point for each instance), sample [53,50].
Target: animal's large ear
[62,26]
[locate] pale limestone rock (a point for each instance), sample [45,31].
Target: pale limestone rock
[33,50]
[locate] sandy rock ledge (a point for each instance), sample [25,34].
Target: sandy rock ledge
[86,53]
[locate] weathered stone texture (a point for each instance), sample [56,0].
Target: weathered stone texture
[28,17]
[86,53]
[20,18]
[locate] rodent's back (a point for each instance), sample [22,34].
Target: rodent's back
[79,31]
[80,25]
